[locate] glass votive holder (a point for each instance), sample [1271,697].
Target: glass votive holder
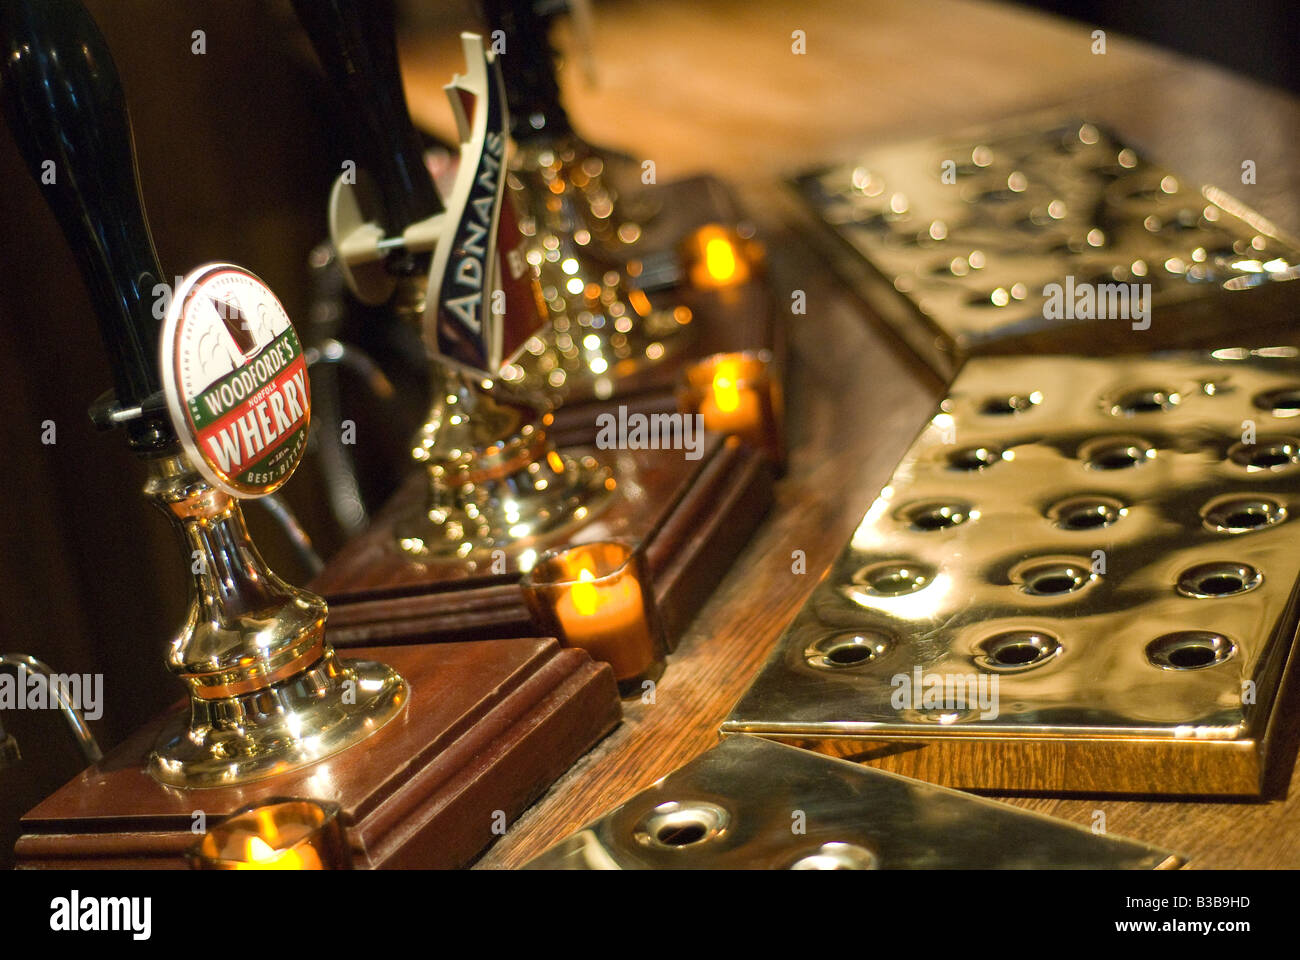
[736,394]
[598,596]
[277,834]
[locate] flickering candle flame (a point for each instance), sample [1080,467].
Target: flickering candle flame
[720,259]
[277,846]
[734,394]
[258,851]
[730,405]
[726,390]
[281,835]
[586,598]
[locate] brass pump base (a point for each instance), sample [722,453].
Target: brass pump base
[494,478]
[319,712]
[267,693]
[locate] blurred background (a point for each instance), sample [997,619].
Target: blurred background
[1259,38]
[237,151]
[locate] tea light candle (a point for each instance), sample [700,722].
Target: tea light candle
[276,835]
[718,257]
[260,855]
[733,393]
[593,597]
[728,406]
[608,621]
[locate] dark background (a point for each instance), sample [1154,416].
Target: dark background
[1254,37]
[237,153]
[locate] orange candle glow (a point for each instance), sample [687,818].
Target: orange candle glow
[607,619]
[260,855]
[594,597]
[729,406]
[718,257]
[277,835]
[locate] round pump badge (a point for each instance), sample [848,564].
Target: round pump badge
[235,380]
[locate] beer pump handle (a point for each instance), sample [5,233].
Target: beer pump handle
[356,42]
[63,100]
[528,69]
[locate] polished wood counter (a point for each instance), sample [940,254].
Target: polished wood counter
[717,88]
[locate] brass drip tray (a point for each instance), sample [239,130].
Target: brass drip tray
[753,804]
[954,241]
[1081,577]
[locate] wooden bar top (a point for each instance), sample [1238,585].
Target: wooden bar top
[718,88]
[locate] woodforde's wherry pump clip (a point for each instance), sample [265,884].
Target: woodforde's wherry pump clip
[218,406]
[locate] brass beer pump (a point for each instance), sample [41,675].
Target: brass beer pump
[494,477]
[605,328]
[267,692]
[503,474]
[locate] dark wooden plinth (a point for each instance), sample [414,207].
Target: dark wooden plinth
[489,727]
[693,516]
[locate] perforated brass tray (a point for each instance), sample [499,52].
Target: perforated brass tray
[953,240]
[753,804]
[1081,577]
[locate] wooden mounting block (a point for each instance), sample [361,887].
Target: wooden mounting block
[693,517]
[489,726]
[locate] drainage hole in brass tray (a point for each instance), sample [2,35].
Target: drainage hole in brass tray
[941,716]
[1267,454]
[1053,578]
[1016,650]
[838,856]
[1190,650]
[1086,513]
[938,514]
[674,825]
[1243,514]
[1118,453]
[998,196]
[850,649]
[1146,400]
[894,578]
[1208,580]
[974,458]
[1283,402]
[1012,404]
